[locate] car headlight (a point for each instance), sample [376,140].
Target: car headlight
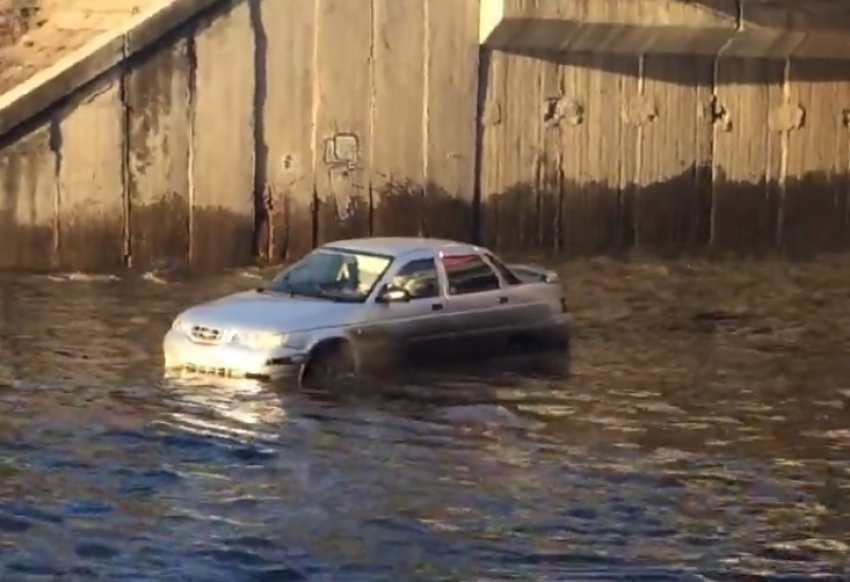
[264,340]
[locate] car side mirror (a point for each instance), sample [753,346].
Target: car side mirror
[391,294]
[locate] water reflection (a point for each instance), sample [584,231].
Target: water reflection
[700,432]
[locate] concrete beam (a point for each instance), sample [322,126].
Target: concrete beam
[82,66]
[695,27]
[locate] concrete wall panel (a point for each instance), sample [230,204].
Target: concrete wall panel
[816,209]
[452,90]
[287,76]
[342,138]
[222,225]
[91,180]
[398,133]
[157,97]
[673,203]
[747,155]
[28,191]
[548,162]
[494,180]
[599,158]
[510,216]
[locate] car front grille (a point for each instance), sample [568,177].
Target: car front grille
[212,371]
[206,335]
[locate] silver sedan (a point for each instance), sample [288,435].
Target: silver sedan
[354,305]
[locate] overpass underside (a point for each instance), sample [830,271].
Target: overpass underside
[572,127]
[773,29]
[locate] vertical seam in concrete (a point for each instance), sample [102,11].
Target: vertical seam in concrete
[783,156]
[426,83]
[639,138]
[712,174]
[483,61]
[125,148]
[263,204]
[192,80]
[712,165]
[314,119]
[369,175]
[55,142]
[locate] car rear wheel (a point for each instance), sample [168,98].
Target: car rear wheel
[329,365]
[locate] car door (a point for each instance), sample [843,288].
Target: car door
[415,327]
[477,304]
[522,309]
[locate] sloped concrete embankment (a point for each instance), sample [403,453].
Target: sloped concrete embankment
[67,133]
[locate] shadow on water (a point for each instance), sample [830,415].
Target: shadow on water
[701,433]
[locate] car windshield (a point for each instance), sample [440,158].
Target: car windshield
[334,274]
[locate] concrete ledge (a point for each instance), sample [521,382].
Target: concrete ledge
[611,26]
[700,27]
[108,49]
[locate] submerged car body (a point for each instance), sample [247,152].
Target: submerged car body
[363,303]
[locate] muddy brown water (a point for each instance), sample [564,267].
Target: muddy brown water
[703,432]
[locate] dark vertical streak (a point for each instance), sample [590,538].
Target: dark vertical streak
[192,81]
[55,143]
[484,59]
[262,207]
[372,34]
[123,93]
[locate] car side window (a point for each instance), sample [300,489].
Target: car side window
[469,274]
[419,278]
[508,275]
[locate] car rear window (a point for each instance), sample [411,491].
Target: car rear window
[469,274]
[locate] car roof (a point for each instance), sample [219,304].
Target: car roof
[399,245]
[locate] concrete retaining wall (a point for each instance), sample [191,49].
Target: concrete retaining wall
[670,154]
[265,127]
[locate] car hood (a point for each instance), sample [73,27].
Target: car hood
[271,312]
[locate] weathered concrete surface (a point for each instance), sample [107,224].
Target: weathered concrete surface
[399,132]
[343,121]
[450,116]
[91,179]
[222,150]
[708,27]
[669,154]
[28,202]
[159,100]
[286,151]
[262,128]
[36,34]
[44,87]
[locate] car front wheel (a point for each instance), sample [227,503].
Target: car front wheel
[329,365]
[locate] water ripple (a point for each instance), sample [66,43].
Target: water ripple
[699,434]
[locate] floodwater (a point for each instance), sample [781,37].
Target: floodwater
[703,432]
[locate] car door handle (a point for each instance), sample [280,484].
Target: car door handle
[503,300]
[436,307]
